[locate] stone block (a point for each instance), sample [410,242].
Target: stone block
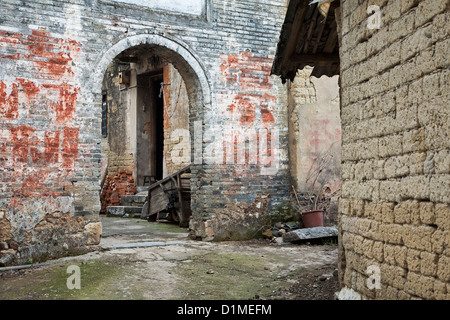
[415,187]
[347,170]
[416,42]
[122,211]
[419,285]
[432,88]
[406,211]
[442,161]
[443,271]
[439,240]
[378,251]
[392,233]
[414,140]
[413,260]
[439,186]
[416,163]
[344,206]
[440,290]
[390,145]
[396,167]
[387,212]
[442,214]
[390,190]
[133,200]
[428,263]
[426,212]
[94,231]
[378,212]
[400,256]
[417,237]
[425,61]
[393,275]
[310,233]
[427,10]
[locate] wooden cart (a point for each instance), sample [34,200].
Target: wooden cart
[171,195]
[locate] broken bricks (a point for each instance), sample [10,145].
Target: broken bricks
[280,228]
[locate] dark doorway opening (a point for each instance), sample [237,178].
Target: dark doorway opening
[158,122]
[150,127]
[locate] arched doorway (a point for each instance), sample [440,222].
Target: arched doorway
[144,66]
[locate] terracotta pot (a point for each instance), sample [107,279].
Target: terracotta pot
[313,218]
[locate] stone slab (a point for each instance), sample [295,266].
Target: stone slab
[142,245]
[121,211]
[141,189]
[310,233]
[133,200]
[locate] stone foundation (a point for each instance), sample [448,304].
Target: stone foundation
[237,221]
[52,231]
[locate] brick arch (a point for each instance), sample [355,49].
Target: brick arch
[183,59]
[178,53]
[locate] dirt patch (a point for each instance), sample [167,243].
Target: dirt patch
[99,278]
[319,283]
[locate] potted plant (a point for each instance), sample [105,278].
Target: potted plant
[318,176]
[311,215]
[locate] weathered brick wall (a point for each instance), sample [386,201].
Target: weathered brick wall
[116,146]
[394,211]
[53,56]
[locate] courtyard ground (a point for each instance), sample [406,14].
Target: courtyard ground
[139,260]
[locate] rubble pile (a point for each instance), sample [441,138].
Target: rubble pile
[285,232]
[279,229]
[115,186]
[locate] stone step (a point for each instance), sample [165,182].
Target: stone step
[140,189]
[137,200]
[124,211]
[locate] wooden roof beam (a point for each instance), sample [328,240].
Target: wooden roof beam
[294,33]
[312,25]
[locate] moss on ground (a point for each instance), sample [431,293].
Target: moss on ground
[167,227]
[98,281]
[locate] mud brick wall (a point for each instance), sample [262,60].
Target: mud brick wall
[53,57]
[394,211]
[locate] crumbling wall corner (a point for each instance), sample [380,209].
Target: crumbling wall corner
[237,221]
